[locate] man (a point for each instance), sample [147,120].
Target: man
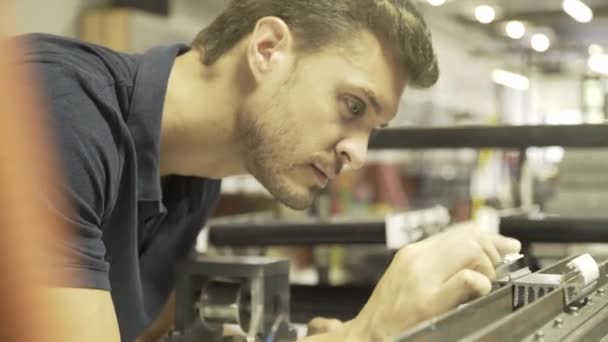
[288,91]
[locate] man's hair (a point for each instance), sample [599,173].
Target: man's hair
[317,24]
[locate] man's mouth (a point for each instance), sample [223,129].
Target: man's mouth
[321,176]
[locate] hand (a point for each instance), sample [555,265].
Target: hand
[320,325]
[431,277]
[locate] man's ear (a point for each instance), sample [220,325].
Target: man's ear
[270,47]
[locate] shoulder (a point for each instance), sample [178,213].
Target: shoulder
[82,87]
[72,57]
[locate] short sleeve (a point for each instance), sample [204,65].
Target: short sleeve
[87,146]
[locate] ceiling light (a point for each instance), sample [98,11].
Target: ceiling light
[436,2]
[515,29]
[595,49]
[540,42]
[510,79]
[578,10]
[599,64]
[485,14]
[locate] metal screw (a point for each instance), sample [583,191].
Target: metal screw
[573,310]
[539,335]
[558,322]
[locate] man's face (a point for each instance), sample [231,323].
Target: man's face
[300,128]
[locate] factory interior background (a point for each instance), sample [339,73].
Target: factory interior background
[513,64]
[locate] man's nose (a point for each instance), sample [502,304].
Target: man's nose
[352,150]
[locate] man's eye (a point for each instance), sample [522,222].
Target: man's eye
[355,106]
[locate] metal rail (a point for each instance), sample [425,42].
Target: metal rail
[507,137]
[492,318]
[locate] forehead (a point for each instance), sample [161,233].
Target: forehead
[363,62]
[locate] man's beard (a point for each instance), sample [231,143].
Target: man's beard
[266,146]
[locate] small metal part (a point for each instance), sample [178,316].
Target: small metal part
[511,258]
[581,275]
[249,292]
[559,310]
[511,267]
[221,302]
[528,288]
[558,322]
[573,310]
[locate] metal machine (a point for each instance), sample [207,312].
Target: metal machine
[249,295]
[564,302]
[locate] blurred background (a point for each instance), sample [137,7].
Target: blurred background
[503,63]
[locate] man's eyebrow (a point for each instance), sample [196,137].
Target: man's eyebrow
[371,97]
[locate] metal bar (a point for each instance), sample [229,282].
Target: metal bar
[534,322]
[463,322]
[597,326]
[457,324]
[579,325]
[593,329]
[297,233]
[523,322]
[509,137]
[315,232]
[555,229]
[342,302]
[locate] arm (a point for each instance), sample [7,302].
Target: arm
[407,293]
[343,332]
[88,314]
[424,280]
[163,323]
[78,290]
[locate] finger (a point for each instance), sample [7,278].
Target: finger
[454,251]
[334,324]
[460,288]
[319,325]
[489,248]
[505,245]
[485,266]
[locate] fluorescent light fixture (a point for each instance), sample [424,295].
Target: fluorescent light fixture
[595,49]
[515,29]
[540,42]
[436,2]
[485,14]
[510,79]
[599,64]
[578,10]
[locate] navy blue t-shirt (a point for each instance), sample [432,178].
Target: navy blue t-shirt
[105,108]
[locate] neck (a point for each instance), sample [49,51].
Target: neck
[198,134]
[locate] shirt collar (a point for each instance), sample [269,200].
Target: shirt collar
[144,120]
